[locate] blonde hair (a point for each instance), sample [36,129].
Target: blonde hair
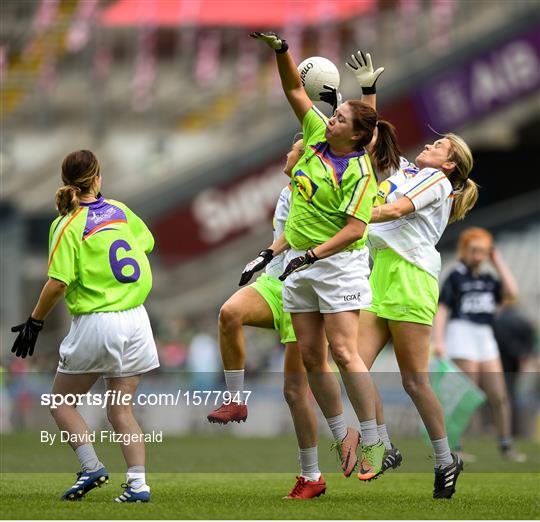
[465,189]
[80,171]
[471,234]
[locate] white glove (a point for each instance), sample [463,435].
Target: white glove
[272,40]
[362,68]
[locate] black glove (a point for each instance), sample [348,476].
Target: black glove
[26,340]
[331,96]
[272,40]
[264,257]
[299,263]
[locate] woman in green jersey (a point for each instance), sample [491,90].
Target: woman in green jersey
[326,280]
[98,262]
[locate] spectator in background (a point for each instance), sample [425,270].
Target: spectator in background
[515,337]
[464,324]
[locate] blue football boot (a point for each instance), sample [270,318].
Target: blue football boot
[85,482]
[140,494]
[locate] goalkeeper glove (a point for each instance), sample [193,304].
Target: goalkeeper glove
[26,340]
[362,68]
[272,40]
[331,96]
[264,257]
[299,263]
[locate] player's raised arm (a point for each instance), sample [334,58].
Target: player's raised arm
[288,72]
[362,68]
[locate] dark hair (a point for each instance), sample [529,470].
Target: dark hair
[386,151]
[80,171]
[364,119]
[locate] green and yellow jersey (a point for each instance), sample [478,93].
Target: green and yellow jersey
[327,188]
[99,252]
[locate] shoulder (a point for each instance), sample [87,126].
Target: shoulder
[56,222]
[489,277]
[457,274]
[117,209]
[428,178]
[314,118]
[116,203]
[361,163]
[460,269]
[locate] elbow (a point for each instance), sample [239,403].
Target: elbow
[358,232]
[58,286]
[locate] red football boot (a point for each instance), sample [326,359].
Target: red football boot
[232,412]
[305,489]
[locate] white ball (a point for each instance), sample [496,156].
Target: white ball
[316,72]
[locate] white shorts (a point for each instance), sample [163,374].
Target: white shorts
[115,344]
[335,284]
[470,341]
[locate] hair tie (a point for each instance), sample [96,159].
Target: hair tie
[377,123]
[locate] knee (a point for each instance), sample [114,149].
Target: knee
[54,412]
[313,361]
[58,411]
[230,317]
[342,357]
[295,390]
[498,400]
[117,415]
[415,384]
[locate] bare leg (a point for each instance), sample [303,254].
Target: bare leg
[342,333]
[471,368]
[373,334]
[322,381]
[493,383]
[411,343]
[244,308]
[296,391]
[122,419]
[67,418]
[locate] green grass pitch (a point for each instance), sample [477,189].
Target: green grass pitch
[258,496]
[483,492]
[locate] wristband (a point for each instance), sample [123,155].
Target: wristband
[311,257]
[284,47]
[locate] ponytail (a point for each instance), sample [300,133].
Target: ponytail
[465,189]
[67,199]
[386,153]
[80,174]
[464,200]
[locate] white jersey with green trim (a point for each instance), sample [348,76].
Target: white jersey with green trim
[415,235]
[275,267]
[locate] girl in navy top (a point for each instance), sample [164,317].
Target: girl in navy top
[463,328]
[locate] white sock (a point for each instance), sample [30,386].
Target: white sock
[234,380]
[136,477]
[309,463]
[443,456]
[88,458]
[370,435]
[337,426]
[383,434]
